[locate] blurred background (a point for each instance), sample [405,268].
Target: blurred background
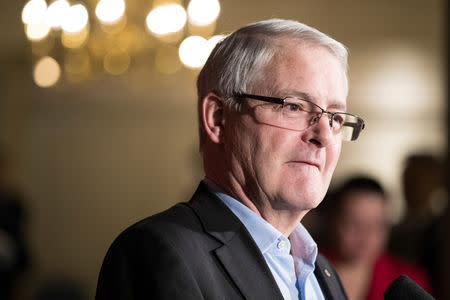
[98,109]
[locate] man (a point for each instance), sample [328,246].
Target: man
[270,101]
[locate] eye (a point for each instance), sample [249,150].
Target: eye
[292,107]
[338,119]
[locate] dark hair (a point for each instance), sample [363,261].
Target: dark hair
[335,199]
[361,183]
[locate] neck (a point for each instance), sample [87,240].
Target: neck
[284,220]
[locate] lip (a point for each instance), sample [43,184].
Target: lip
[307,162]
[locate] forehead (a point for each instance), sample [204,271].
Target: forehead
[363,200]
[297,68]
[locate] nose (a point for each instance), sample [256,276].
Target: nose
[320,133]
[319,116]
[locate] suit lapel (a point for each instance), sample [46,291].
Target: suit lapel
[328,279]
[239,254]
[248,269]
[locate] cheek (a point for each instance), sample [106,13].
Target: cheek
[237,143]
[347,241]
[270,150]
[377,239]
[333,153]
[253,151]
[270,146]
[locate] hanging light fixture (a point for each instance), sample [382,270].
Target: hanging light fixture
[105,40]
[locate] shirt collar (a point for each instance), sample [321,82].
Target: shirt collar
[263,233]
[303,245]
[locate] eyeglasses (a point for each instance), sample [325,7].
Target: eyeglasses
[298,114]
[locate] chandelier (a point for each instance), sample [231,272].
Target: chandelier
[80,40]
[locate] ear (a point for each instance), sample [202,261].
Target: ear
[213,117]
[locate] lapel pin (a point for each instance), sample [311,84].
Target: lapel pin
[327,272]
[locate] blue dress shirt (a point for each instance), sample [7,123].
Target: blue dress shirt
[291,260]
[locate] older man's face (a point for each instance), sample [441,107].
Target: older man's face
[280,168]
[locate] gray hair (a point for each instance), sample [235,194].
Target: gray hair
[235,63]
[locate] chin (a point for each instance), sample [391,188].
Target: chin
[298,191]
[312,198]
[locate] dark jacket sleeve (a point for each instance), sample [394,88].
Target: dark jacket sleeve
[142,265]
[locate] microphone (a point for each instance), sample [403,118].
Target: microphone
[405,288]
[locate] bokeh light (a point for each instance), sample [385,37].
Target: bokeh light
[195,50]
[115,40]
[203,12]
[110,11]
[34,12]
[75,40]
[114,28]
[212,42]
[76,19]
[46,72]
[192,51]
[37,31]
[56,13]
[166,19]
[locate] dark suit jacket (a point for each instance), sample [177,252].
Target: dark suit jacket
[195,250]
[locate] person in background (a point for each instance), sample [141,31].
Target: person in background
[14,258]
[418,237]
[272,118]
[357,214]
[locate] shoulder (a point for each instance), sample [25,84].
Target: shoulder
[177,217]
[172,228]
[151,259]
[186,226]
[167,255]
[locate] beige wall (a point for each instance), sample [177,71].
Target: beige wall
[96,156]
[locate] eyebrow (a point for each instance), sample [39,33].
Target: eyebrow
[335,105]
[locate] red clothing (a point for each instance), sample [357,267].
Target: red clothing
[386,269]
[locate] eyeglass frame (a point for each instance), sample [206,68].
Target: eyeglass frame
[330,114]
